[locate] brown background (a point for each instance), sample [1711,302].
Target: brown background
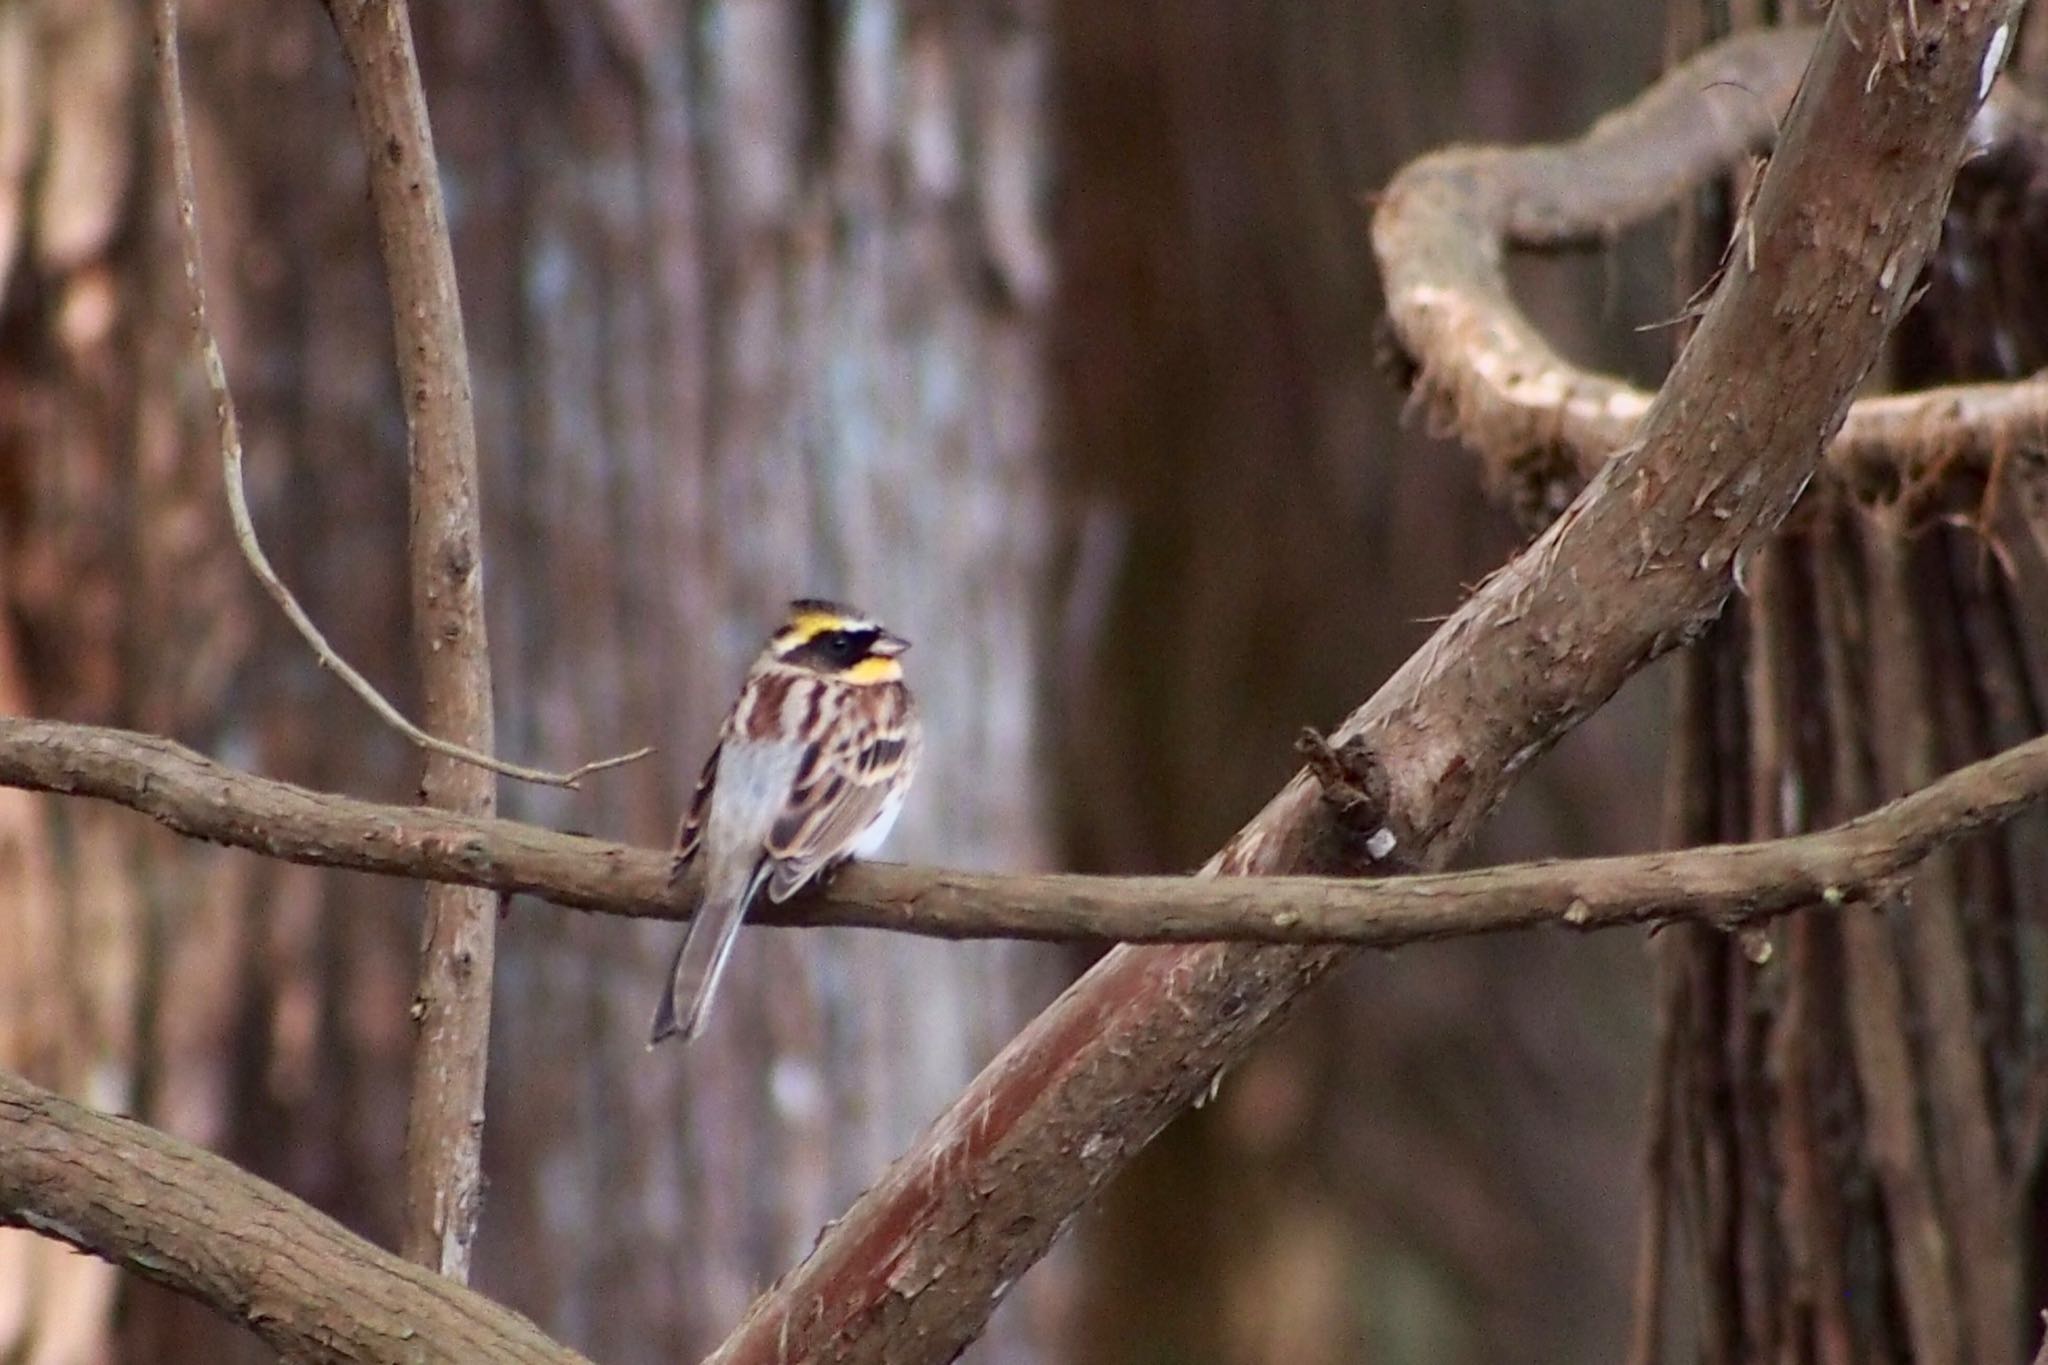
[1043,329]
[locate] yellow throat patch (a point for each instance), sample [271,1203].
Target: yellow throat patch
[874,669]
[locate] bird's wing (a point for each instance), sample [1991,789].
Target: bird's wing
[840,789]
[692,829]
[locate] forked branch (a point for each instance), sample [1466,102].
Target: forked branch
[198,1224]
[184,185]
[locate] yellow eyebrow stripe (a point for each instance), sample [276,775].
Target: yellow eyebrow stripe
[806,625]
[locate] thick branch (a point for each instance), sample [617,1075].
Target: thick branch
[1544,424]
[190,1220]
[1842,223]
[452,1004]
[1726,885]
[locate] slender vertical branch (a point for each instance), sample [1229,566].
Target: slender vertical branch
[1876,997]
[1768,1292]
[1669,1144]
[444,1131]
[1969,1171]
[1811,1306]
[1653,1234]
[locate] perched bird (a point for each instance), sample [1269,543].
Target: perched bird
[810,770]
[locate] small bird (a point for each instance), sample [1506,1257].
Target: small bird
[810,770]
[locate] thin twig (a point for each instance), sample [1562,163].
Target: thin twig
[1726,884]
[171,91]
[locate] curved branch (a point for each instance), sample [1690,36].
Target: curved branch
[188,1219]
[184,186]
[1544,425]
[1727,884]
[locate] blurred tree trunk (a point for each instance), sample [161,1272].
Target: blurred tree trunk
[1846,1145]
[756,291]
[1432,1163]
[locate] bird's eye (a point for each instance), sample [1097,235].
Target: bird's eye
[841,647]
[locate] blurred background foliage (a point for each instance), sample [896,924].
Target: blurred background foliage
[1045,329]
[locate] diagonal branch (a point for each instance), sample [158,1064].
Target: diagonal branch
[197,1224]
[1645,556]
[1843,220]
[1729,884]
[192,1221]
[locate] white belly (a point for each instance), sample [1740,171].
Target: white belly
[751,792]
[871,838]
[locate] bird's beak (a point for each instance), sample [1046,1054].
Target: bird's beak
[889,644]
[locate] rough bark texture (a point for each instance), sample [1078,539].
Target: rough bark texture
[753,293]
[308,1287]
[1853,1152]
[1640,562]
[1845,1090]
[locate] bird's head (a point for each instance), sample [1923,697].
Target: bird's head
[832,638]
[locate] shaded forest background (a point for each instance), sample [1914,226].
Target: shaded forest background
[1042,328]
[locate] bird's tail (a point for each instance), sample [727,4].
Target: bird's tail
[700,961]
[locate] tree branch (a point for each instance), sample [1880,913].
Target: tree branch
[1543,424]
[201,1226]
[1727,884]
[1843,220]
[452,1003]
[1874,992]
[1640,561]
[188,1219]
